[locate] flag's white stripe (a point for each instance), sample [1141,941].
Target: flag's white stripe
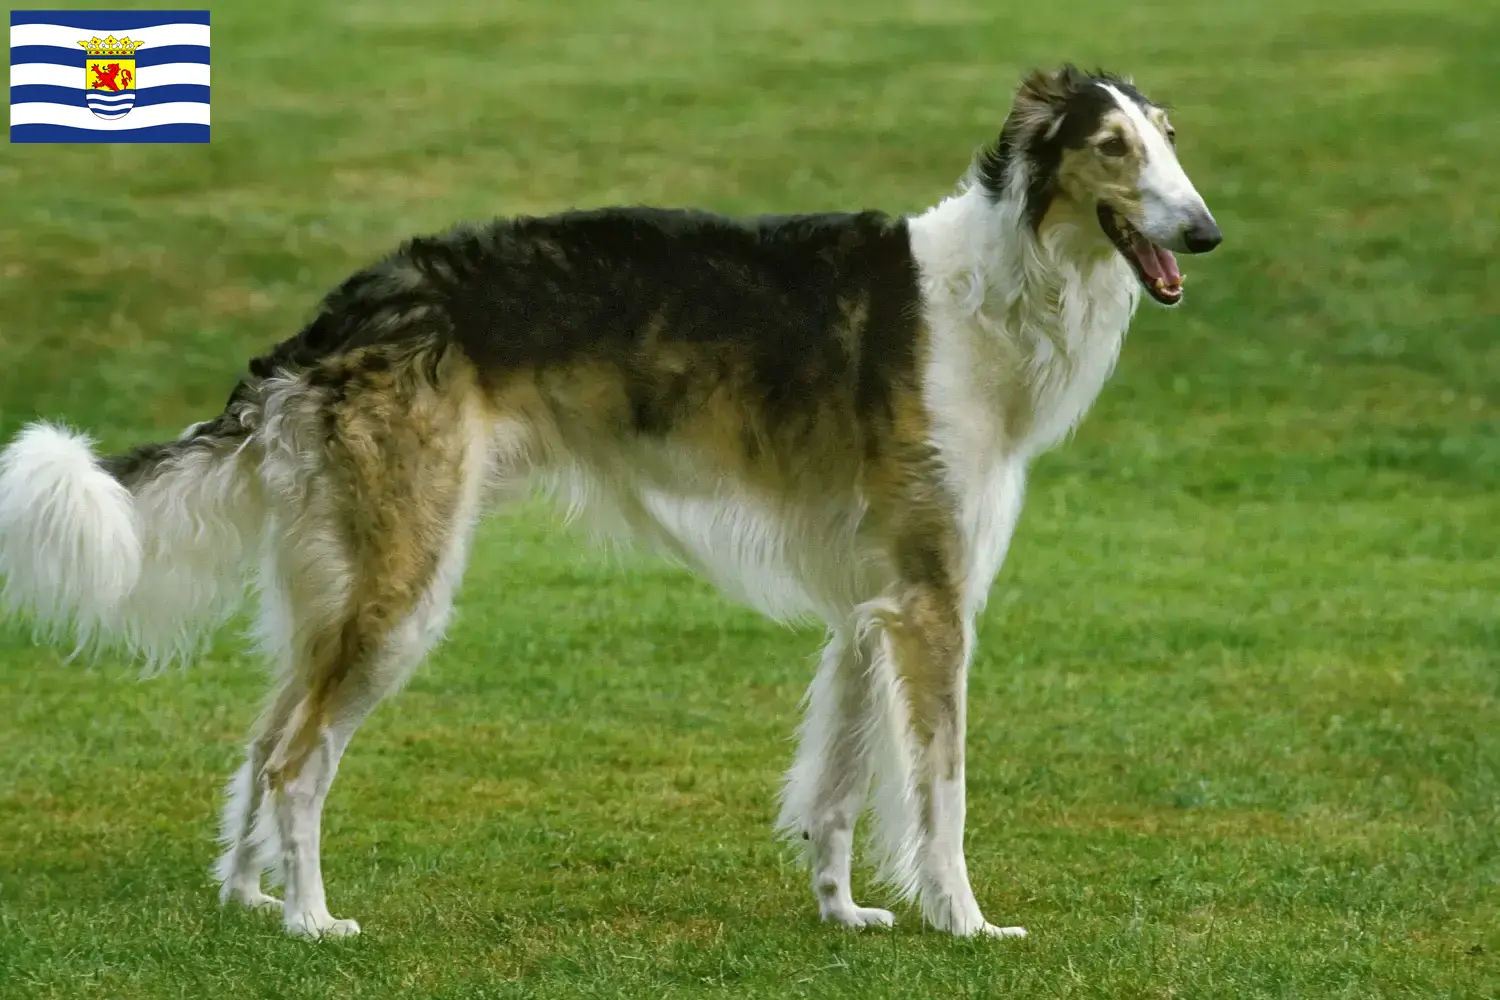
[68,38]
[181,113]
[96,97]
[52,75]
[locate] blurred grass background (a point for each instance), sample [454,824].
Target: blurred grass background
[1234,715]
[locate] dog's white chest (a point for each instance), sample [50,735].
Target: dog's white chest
[1065,384]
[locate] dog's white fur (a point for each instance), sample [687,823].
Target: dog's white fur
[1169,201]
[69,549]
[988,282]
[1024,330]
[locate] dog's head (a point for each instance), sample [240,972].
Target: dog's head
[1080,145]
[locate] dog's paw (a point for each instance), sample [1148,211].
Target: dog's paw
[316,926]
[859,916]
[252,898]
[259,901]
[960,916]
[990,930]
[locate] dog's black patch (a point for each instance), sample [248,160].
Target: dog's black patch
[763,301]
[142,462]
[133,465]
[804,314]
[758,299]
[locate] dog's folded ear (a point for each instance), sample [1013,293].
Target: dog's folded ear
[1044,88]
[1036,113]
[1042,98]
[1044,91]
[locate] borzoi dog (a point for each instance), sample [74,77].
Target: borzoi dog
[825,415]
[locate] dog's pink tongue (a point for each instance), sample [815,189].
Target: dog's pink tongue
[1168,266]
[1156,262]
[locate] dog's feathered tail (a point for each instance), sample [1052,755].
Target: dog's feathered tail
[147,550]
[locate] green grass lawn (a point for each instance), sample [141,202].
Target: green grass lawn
[1235,717]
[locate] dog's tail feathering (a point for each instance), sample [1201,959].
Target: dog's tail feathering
[147,550]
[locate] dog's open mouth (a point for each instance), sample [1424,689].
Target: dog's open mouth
[1156,267]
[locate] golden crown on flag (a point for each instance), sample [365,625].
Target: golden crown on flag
[111,46]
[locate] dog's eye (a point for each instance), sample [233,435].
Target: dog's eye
[1171,135]
[1113,146]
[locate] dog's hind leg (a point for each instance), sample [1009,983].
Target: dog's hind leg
[301,768]
[359,586]
[248,832]
[274,813]
[273,816]
[825,790]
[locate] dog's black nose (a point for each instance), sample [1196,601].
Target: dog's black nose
[1202,237]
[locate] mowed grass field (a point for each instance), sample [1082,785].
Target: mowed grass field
[1235,715]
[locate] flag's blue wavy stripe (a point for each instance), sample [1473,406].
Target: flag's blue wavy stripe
[109,20]
[170,94]
[156,133]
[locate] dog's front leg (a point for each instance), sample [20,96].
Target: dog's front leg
[930,641]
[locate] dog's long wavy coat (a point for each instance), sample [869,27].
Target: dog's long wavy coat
[826,415]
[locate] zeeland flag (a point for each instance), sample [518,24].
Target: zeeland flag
[108,76]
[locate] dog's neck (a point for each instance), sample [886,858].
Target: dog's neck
[983,256]
[1026,324]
